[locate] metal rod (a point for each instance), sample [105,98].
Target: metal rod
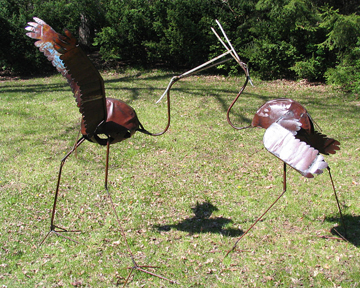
[284,190]
[233,53]
[337,202]
[199,68]
[229,50]
[135,265]
[227,39]
[52,225]
[204,64]
[78,143]
[221,41]
[107,162]
[232,104]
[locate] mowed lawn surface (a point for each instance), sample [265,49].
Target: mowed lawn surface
[183,198]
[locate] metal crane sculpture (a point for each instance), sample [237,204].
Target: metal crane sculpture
[101,115]
[291,137]
[112,118]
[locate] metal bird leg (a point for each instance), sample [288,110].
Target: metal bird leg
[135,265]
[53,227]
[284,190]
[77,138]
[338,205]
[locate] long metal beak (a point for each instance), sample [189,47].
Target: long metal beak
[199,68]
[229,50]
[233,51]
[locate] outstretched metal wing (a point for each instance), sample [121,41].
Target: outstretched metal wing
[282,143]
[71,61]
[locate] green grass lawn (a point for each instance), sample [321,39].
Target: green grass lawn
[183,198]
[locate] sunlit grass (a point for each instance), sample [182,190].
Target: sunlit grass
[183,198]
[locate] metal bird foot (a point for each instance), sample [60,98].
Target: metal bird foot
[342,238]
[58,231]
[140,268]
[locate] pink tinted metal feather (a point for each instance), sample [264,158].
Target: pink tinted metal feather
[45,35]
[290,136]
[297,154]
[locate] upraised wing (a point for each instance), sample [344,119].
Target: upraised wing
[71,61]
[282,143]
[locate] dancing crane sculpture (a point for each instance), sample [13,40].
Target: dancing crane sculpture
[291,137]
[101,115]
[112,118]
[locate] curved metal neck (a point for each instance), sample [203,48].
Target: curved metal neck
[168,114]
[142,130]
[232,104]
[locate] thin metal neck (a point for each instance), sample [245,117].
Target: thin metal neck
[232,104]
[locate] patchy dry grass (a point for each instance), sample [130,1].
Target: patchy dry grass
[183,198]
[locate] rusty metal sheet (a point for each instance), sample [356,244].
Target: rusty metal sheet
[71,61]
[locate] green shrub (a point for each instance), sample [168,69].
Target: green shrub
[308,69]
[347,73]
[343,39]
[278,39]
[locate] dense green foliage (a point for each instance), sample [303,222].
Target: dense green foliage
[344,39]
[316,40]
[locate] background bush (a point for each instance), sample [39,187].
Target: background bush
[293,39]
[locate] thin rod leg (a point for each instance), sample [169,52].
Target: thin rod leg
[52,225]
[77,138]
[284,190]
[135,265]
[107,165]
[337,202]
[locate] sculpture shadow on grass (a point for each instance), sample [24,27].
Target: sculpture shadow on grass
[352,223]
[202,222]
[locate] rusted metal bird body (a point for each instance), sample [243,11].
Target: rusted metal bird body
[290,136]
